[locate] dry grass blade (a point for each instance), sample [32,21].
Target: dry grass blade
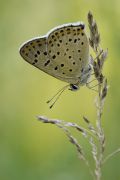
[62,125]
[98,63]
[111,155]
[90,126]
[94,39]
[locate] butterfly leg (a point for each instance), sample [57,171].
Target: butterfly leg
[91,87]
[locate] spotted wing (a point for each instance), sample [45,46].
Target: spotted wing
[68,51]
[35,53]
[63,53]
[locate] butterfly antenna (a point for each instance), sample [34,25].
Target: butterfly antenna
[56,96]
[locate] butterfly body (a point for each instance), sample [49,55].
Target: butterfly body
[63,53]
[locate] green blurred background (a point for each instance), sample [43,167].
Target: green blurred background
[30,150]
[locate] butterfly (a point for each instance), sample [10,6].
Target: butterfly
[62,53]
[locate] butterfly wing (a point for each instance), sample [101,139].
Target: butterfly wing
[68,50]
[35,52]
[62,53]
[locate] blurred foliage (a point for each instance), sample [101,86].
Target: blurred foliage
[31,150]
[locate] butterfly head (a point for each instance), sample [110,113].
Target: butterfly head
[83,79]
[74,87]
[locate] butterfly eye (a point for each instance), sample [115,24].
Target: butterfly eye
[73,87]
